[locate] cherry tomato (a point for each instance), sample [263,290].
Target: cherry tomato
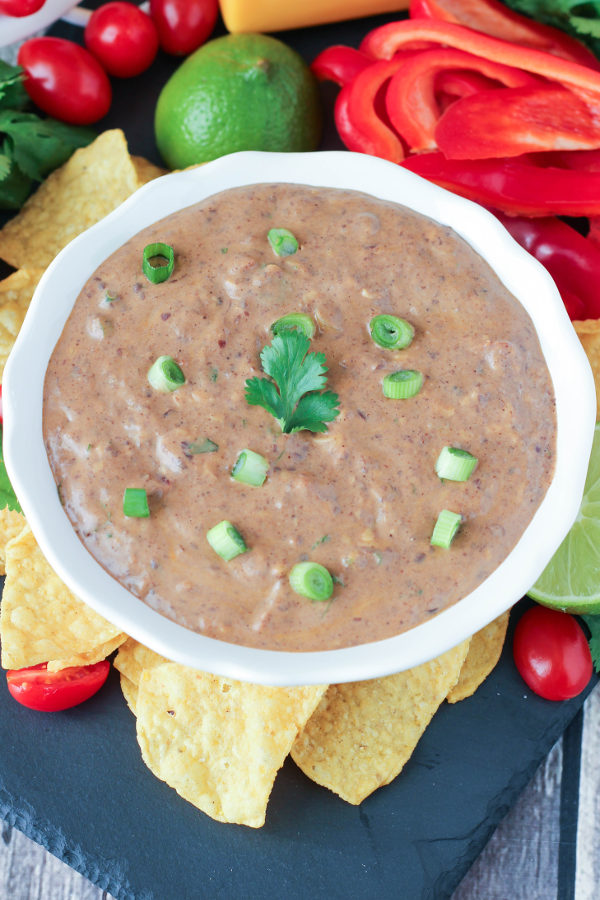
[45,691]
[122,37]
[551,653]
[65,80]
[183,25]
[20,8]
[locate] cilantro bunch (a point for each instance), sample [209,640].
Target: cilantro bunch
[30,147]
[295,395]
[579,18]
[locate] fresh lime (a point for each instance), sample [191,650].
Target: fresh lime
[571,580]
[238,92]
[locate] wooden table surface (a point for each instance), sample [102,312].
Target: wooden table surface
[545,849]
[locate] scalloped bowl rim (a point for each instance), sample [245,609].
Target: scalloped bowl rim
[30,473]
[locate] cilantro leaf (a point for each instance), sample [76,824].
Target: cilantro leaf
[576,17]
[593,623]
[8,498]
[293,396]
[40,145]
[12,93]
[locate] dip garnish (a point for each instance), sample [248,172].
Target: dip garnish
[165,375]
[300,321]
[250,468]
[299,376]
[193,448]
[135,503]
[158,261]
[226,540]
[282,241]
[391,332]
[310,579]
[402,384]
[445,528]
[454,464]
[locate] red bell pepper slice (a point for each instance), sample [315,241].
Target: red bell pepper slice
[340,64]
[571,259]
[456,84]
[517,187]
[360,115]
[410,99]
[511,122]
[497,20]
[386,41]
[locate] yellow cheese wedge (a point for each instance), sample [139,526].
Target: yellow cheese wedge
[273,15]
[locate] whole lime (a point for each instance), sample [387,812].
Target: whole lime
[238,92]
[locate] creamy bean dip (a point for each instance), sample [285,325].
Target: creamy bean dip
[361,499]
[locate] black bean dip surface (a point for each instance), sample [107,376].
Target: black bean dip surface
[361,499]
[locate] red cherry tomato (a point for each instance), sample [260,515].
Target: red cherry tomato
[551,653]
[123,38]
[45,691]
[65,80]
[20,8]
[183,25]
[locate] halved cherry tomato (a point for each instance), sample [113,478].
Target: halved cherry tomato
[20,8]
[551,653]
[65,80]
[183,25]
[45,691]
[122,37]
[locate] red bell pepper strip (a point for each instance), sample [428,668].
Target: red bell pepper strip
[461,84]
[340,64]
[376,137]
[384,42]
[352,137]
[515,121]
[571,259]
[517,187]
[494,18]
[410,99]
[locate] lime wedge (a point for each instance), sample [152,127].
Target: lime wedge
[571,580]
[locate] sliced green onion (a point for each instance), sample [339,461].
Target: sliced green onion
[391,332]
[282,241]
[158,261]
[403,384]
[445,528]
[309,579]
[250,468]
[165,374]
[226,540]
[300,321]
[454,464]
[135,503]
[193,448]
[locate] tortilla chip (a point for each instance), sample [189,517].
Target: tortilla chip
[90,657]
[362,733]
[145,170]
[12,523]
[130,692]
[93,182]
[40,619]
[133,658]
[484,652]
[16,292]
[219,742]
[588,332]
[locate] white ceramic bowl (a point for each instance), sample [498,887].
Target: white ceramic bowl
[31,476]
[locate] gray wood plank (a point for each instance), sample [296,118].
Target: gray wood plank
[587,884]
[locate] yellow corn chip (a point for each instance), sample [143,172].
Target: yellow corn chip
[218,742]
[12,523]
[90,657]
[40,619]
[362,733]
[130,691]
[133,658]
[16,292]
[145,170]
[589,335]
[484,652]
[93,182]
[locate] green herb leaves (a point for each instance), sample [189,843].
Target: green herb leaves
[8,498]
[294,396]
[30,147]
[593,623]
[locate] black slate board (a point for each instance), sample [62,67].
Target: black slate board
[75,782]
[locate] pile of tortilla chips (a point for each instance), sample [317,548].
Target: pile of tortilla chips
[218,742]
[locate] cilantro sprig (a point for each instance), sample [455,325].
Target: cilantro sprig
[8,498]
[295,396]
[30,147]
[593,623]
